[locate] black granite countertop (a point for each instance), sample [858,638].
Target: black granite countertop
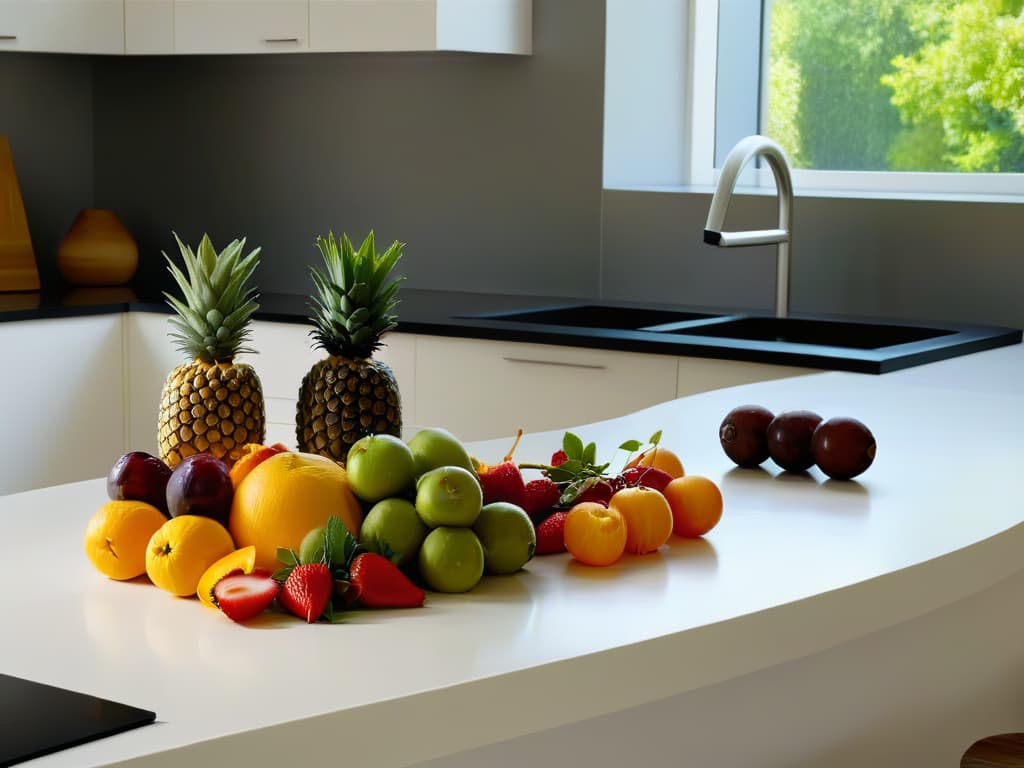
[476,315]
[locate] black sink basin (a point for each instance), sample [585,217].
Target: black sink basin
[826,333]
[596,316]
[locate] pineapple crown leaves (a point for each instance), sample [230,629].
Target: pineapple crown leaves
[580,470]
[213,321]
[356,295]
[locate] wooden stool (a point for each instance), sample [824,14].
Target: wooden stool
[1003,751]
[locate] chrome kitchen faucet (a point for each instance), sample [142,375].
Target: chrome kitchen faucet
[741,154]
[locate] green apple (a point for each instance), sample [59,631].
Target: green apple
[448,496]
[393,528]
[311,550]
[451,559]
[507,536]
[435,447]
[379,466]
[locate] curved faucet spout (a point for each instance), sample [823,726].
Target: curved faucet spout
[741,154]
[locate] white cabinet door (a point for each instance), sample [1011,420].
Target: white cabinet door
[151,355]
[62,26]
[486,26]
[149,26]
[62,407]
[486,389]
[241,26]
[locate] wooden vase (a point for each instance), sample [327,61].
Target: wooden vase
[97,250]
[17,259]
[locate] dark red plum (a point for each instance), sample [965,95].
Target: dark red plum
[843,447]
[139,476]
[201,485]
[789,439]
[744,434]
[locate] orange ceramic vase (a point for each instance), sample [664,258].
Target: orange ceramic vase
[97,250]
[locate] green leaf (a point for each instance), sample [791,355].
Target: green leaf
[655,438]
[630,446]
[282,574]
[590,453]
[287,556]
[572,446]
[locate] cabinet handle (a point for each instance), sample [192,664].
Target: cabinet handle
[280,39]
[8,37]
[555,362]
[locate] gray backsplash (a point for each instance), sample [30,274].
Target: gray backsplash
[489,167]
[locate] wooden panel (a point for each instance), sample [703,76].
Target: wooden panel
[17,259]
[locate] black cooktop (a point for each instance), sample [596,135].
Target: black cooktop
[37,719]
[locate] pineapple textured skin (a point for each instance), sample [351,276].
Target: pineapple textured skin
[210,408]
[343,399]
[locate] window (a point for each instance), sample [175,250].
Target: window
[892,95]
[867,96]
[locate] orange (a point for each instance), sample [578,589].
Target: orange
[254,454]
[696,505]
[659,457]
[243,559]
[117,535]
[595,534]
[284,498]
[182,549]
[648,518]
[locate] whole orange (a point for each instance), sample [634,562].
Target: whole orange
[285,497]
[595,534]
[182,549]
[648,518]
[696,504]
[659,457]
[117,535]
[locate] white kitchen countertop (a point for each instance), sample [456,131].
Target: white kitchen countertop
[797,565]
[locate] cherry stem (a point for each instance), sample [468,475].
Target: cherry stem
[519,436]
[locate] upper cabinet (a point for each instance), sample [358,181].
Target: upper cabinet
[265,26]
[485,26]
[62,26]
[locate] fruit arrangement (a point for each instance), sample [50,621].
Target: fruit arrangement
[598,515]
[841,447]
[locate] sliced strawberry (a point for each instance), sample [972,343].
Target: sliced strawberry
[540,496]
[244,595]
[307,590]
[551,535]
[377,583]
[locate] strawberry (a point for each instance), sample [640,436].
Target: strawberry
[558,458]
[651,477]
[243,595]
[377,583]
[307,591]
[540,496]
[551,535]
[503,482]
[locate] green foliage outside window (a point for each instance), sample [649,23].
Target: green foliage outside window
[902,85]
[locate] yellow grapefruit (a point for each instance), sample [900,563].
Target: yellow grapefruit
[182,549]
[284,498]
[243,559]
[117,535]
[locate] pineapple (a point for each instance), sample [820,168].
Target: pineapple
[347,395]
[211,405]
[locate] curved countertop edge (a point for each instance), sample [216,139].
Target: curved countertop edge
[491,710]
[458,314]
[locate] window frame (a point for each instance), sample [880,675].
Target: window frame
[702,42]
